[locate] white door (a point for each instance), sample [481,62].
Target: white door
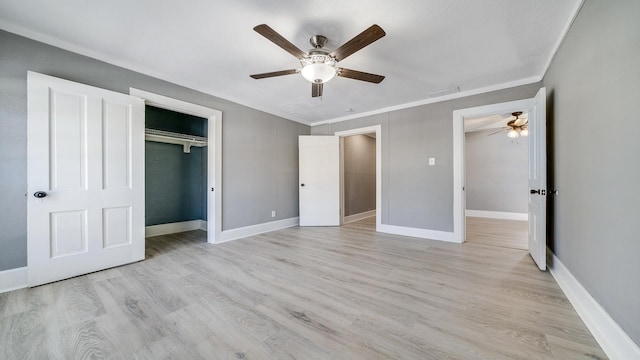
[319,177]
[538,180]
[86,162]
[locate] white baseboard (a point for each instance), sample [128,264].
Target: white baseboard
[359,216]
[13,279]
[497,215]
[419,233]
[239,233]
[172,228]
[203,225]
[614,341]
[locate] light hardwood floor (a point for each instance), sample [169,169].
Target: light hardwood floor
[301,293]
[498,232]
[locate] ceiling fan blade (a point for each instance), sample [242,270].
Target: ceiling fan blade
[316,89]
[277,39]
[275,73]
[359,75]
[365,38]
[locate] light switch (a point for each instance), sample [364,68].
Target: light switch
[432,161]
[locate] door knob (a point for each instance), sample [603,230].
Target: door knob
[40,194]
[301,184]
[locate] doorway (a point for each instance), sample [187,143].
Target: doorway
[537,169]
[321,194]
[359,182]
[358,177]
[213,153]
[496,176]
[175,172]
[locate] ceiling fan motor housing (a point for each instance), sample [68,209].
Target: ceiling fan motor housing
[318,41]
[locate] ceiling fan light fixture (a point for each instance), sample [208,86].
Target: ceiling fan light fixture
[524,132]
[318,69]
[513,134]
[318,65]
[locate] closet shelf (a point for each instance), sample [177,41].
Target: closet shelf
[186,140]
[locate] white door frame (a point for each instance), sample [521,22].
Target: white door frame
[377,129]
[459,159]
[214,153]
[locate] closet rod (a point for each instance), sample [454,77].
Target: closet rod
[168,137]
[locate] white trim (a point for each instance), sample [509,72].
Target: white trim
[13,279]
[365,130]
[172,104]
[359,216]
[419,233]
[214,153]
[614,341]
[462,94]
[459,200]
[459,197]
[172,228]
[498,215]
[565,30]
[203,225]
[341,186]
[239,233]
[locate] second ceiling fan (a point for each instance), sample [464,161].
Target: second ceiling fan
[516,127]
[319,64]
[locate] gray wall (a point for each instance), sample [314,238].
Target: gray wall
[593,88]
[496,172]
[359,174]
[260,168]
[413,193]
[173,183]
[260,165]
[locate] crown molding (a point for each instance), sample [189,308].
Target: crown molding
[486,89]
[565,30]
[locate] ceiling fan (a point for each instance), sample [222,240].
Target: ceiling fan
[319,64]
[516,127]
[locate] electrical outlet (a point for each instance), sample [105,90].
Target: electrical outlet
[432,161]
[273,213]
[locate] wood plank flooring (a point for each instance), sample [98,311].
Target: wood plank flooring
[498,232]
[301,293]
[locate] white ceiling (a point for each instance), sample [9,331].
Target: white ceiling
[209,45]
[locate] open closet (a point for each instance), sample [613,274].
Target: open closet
[175,168]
